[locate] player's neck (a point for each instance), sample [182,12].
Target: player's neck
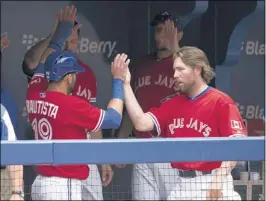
[56,88]
[197,89]
[163,54]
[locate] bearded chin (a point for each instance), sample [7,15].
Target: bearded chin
[161,49]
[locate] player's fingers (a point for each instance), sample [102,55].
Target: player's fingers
[172,26]
[65,12]
[110,177]
[208,196]
[116,59]
[77,27]
[124,61]
[167,26]
[127,62]
[60,15]
[120,61]
[104,177]
[73,13]
[124,58]
[69,12]
[215,194]
[220,194]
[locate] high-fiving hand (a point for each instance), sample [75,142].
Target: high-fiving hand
[119,66]
[62,29]
[67,14]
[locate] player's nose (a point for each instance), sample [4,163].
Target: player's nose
[176,74]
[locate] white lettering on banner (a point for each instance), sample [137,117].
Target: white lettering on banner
[85,45]
[161,80]
[29,40]
[192,123]
[101,47]
[254,48]
[42,107]
[251,111]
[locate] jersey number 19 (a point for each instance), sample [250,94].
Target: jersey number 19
[42,128]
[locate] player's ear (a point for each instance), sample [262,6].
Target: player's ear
[68,78]
[198,70]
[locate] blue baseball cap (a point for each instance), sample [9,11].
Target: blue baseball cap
[58,64]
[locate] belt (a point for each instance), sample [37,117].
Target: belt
[3,167]
[192,173]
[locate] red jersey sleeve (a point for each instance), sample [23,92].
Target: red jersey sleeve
[38,83]
[85,115]
[230,123]
[160,116]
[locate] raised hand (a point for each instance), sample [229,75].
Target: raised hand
[67,14]
[119,66]
[64,28]
[171,36]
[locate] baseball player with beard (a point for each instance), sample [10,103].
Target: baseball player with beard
[85,88]
[153,83]
[199,111]
[55,114]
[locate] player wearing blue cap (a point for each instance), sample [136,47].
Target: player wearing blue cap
[52,115]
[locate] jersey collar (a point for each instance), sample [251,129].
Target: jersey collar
[201,93]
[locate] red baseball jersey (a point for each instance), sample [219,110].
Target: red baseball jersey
[212,114]
[86,84]
[153,83]
[53,116]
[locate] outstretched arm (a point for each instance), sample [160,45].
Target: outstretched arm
[140,120]
[34,54]
[63,30]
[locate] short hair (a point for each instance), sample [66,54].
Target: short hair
[193,57]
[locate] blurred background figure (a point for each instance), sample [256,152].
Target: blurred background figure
[11,175]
